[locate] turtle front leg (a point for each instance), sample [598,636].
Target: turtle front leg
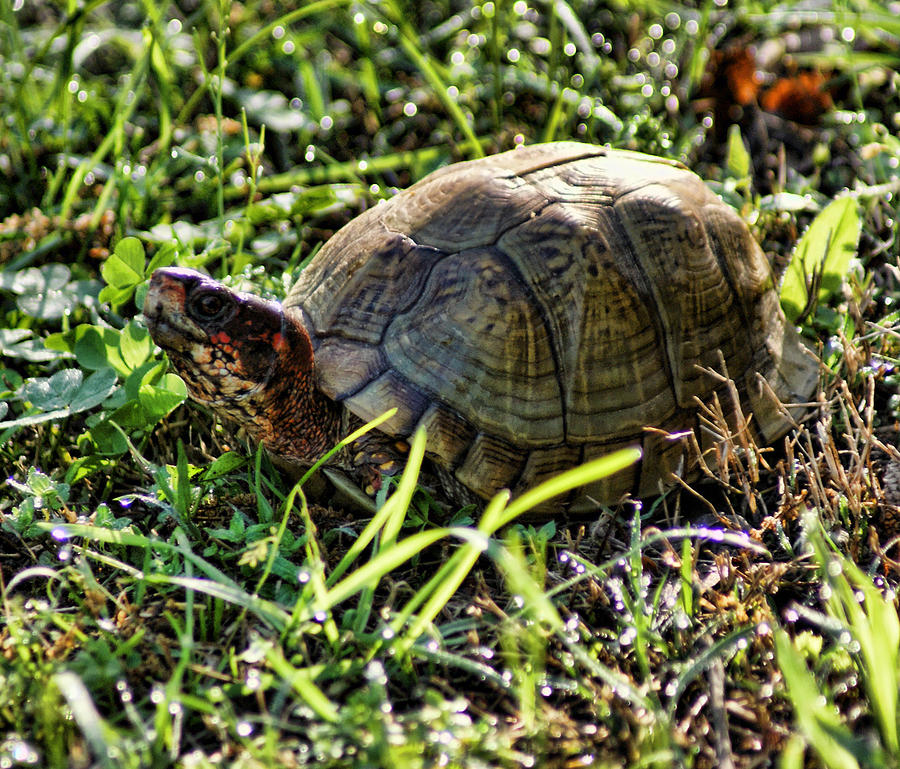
[376,455]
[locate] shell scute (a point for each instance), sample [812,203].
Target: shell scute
[490,463]
[476,340]
[370,274]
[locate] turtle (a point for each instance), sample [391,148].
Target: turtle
[531,310]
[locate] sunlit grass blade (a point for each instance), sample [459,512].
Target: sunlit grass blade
[440,588]
[817,718]
[217,584]
[514,567]
[268,611]
[499,511]
[721,649]
[386,561]
[388,510]
[873,622]
[583,475]
[394,509]
[409,43]
[302,682]
[99,735]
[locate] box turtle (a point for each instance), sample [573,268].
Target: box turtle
[532,310]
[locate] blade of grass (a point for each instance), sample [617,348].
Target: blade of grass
[409,42]
[302,681]
[817,718]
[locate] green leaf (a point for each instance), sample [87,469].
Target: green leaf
[738,159]
[115,296]
[100,346]
[821,259]
[158,401]
[63,394]
[109,438]
[135,344]
[96,389]
[147,374]
[301,680]
[91,344]
[125,266]
[53,392]
[20,343]
[222,466]
[123,271]
[164,256]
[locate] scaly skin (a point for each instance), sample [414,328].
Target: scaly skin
[247,359]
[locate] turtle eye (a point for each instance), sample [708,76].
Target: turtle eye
[208,306]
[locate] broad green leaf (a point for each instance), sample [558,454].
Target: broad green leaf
[96,389]
[37,280]
[109,438]
[47,293]
[47,305]
[158,401]
[135,344]
[822,257]
[53,392]
[123,271]
[99,346]
[20,343]
[146,374]
[115,296]
[164,256]
[89,345]
[125,266]
[63,394]
[131,415]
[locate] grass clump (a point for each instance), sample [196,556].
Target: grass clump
[170,600]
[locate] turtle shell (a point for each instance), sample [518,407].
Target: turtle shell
[542,307]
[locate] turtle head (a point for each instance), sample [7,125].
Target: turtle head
[231,348]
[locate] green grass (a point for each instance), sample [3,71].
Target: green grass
[168,599]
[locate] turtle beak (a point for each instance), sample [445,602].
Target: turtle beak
[164,308]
